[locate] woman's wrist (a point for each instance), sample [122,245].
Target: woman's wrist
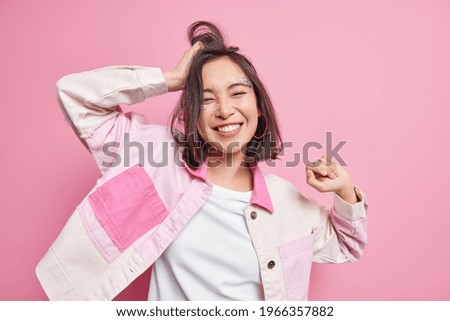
[347,193]
[173,80]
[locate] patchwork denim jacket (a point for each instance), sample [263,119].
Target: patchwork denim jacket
[136,209]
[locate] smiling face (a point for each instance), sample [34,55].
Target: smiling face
[229,114]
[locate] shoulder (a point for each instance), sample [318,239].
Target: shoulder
[281,190]
[285,192]
[141,129]
[276,182]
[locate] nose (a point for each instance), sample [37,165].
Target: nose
[225,109]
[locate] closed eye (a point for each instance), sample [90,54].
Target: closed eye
[239,93]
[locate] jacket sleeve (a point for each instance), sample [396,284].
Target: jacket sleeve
[341,233]
[90,101]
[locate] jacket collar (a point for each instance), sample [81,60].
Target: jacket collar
[260,195]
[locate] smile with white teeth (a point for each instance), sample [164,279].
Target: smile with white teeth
[228,128]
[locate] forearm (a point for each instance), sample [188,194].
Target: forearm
[343,230]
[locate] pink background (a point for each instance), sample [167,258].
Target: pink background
[375,73]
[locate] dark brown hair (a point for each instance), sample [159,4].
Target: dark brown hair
[187,110]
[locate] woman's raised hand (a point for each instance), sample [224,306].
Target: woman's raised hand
[328,176]
[176,77]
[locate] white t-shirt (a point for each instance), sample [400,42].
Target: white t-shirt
[213,257]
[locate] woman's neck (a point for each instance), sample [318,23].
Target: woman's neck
[230,171]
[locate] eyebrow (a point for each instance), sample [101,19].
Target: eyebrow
[208,90]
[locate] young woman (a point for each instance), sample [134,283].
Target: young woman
[199,209]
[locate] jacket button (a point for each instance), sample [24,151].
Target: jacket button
[253,215]
[271,264]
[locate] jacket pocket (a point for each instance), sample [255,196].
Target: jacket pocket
[127,206]
[296,260]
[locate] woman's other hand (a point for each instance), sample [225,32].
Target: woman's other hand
[327,176]
[176,77]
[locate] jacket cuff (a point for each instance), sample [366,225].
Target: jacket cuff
[351,212]
[151,80]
